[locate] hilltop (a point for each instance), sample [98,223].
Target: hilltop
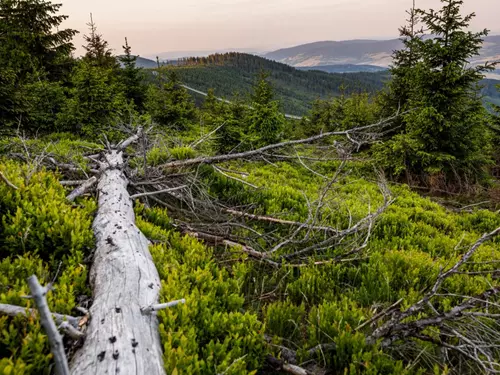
[232,73]
[363,52]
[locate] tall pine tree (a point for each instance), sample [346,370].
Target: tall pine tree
[443,135]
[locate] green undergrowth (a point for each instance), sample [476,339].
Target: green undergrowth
[211,333]
[239,310]
[39,232]
[63,147]
[411,242]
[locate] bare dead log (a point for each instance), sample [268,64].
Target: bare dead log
[55,340]
[120,338]
[82,189]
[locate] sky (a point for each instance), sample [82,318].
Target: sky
[156,26]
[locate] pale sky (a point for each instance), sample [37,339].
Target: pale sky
[156,26]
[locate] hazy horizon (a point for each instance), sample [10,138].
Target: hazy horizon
[153,27]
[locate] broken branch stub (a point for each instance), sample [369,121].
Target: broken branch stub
[120,338]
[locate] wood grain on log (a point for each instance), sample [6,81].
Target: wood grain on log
[120,338]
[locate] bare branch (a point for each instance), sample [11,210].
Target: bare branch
[124,144]
[150,309]
[151,193]
[82,189]
[10,184]
[235,178]
[13,311]
[55,340]
[262,150]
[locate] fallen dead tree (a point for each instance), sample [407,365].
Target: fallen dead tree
[120,337]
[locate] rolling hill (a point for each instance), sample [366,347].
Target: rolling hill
[364,52]
[234,73]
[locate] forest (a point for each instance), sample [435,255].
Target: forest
[231,75]
[147,231]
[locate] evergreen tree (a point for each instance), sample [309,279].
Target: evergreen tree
[97,49]
[96,100]
[31,41]
[170,104]
[266,122]
[403,64]
[35,61]
[444,132]
[131,77]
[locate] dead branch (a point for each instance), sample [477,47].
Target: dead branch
[72,183]
[152,308]
[235,178]
[55,340]
[151,193]
[10,184]
[127,142]
[71,331]
[460,322]
[281,365]
[82,189]
[13,311]
[262,150]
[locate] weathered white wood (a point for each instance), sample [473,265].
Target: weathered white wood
[12,310]
[55,339]
[120,339]
[82,189]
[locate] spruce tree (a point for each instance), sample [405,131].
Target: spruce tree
[266,122]
[31,41]
[97,48]
[131,77]
[443,133]
[35,62]
[169,103]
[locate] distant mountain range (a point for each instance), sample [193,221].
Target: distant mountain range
[363,52]
[344,68]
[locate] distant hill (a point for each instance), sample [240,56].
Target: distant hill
[141,62]
[344,68]
[232,73]
[361,52]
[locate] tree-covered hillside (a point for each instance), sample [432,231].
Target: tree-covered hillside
[141,233]
[234,73]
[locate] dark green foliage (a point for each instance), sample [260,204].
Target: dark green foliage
[131,77]
[169,104]
[232,73]
[341,113]
[444,132]
[266,122]
[35,55]
[30,38]
[97,49]
[95,99]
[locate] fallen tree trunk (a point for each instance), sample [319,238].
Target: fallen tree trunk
[120,338]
